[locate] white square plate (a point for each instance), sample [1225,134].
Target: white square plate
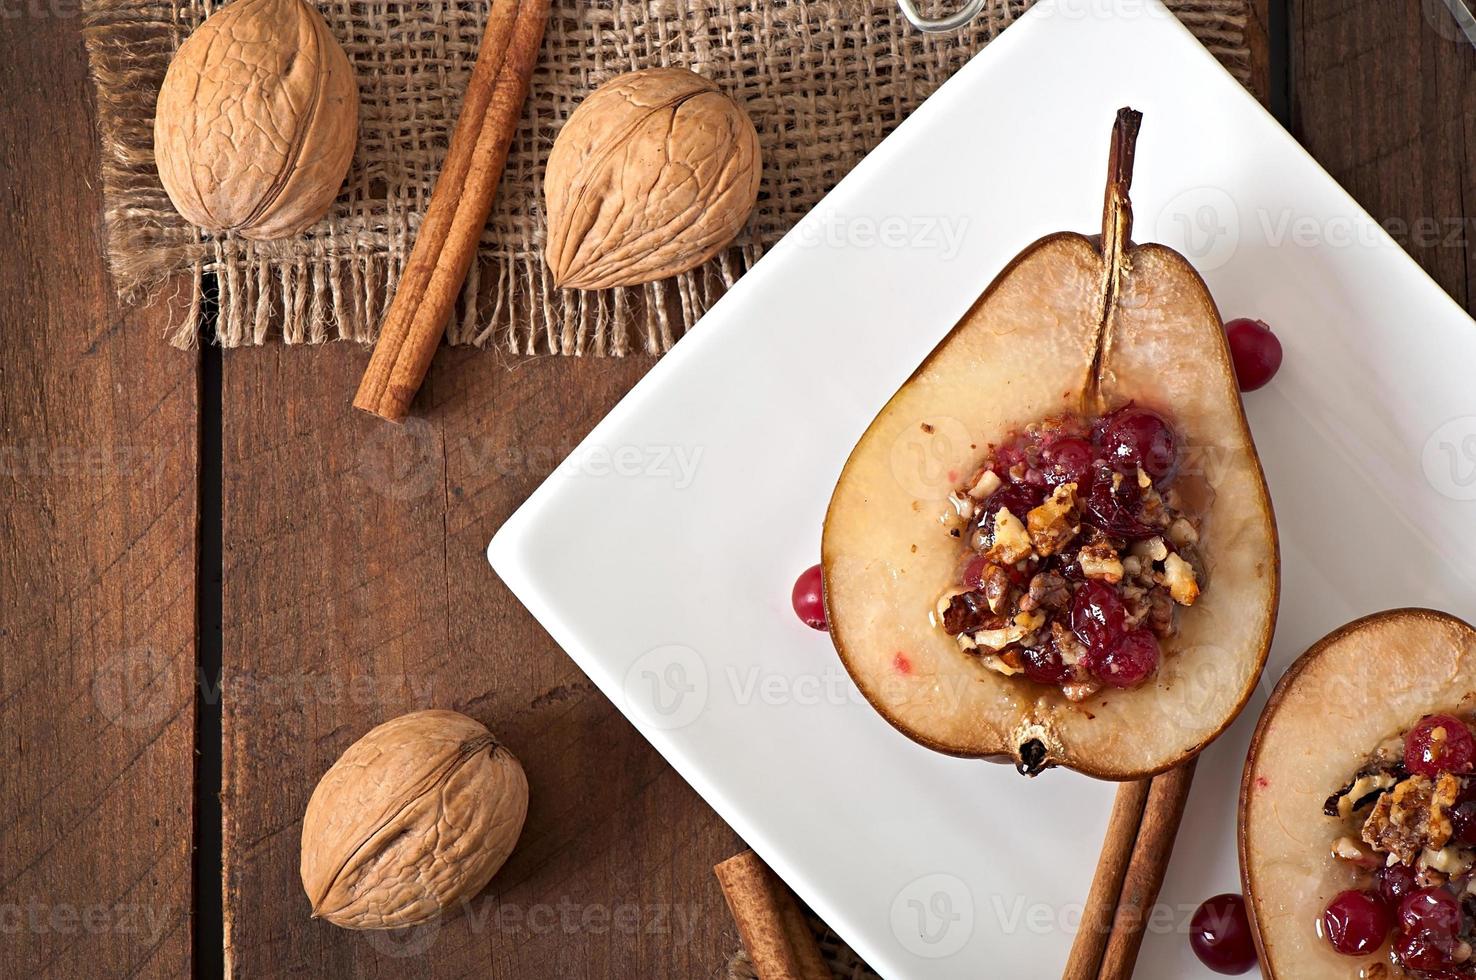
[662,554]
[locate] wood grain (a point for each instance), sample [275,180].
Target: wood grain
[98,511]
[357,588]
[1382,95]
[1258,30]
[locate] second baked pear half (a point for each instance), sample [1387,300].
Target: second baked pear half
[1358,806]
[1054,546]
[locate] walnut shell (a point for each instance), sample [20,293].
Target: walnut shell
[256,120]
[652,175]
[414,817]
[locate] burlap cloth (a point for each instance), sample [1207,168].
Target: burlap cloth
[841,959]
[824,81]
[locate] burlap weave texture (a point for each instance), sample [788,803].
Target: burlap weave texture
[824,80]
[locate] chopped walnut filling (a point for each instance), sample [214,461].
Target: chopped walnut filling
[1411,819]
[1053,524]
[1033,537]
[1406,829]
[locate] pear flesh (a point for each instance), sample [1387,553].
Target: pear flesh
[1073,325]
[1366,682]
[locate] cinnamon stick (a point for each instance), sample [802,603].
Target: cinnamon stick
[770,923]
[1151,852]
[460,202]
[1101,904]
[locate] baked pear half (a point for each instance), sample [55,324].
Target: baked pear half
[1331,745]
[1078,326]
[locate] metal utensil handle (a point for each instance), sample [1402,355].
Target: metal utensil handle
[941,25]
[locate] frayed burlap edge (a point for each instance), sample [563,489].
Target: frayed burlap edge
[841,959]
[335,281]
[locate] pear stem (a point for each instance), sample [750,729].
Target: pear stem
[1117,210]
[1117,230]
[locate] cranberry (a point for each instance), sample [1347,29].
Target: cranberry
[1255,351]
[808,598]
[1007,456]
[1424,950]
[1355,923]
[1463,819]
[1068,461]
[1395,882]
[973,573]
[1134,437]
[1451,750]
[1220,935]
[1043,664]
[1128,662]
[1018,498]
[1097,615]
[1112,502]
[1430,910]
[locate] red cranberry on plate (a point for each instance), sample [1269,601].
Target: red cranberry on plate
[808,598]
[1255,351]
[1220,935]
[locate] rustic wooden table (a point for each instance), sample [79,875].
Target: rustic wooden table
[167,512]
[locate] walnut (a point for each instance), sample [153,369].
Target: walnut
[1078,691]
[1067,645]
[1152,549]
[1182,533]
[414,817]
[1048,590]
[1152,510]
[256,120]
[1003,637]
[997,588]
[651,176]
[1347,849]
[987,483]
[1099,560]
[1052,525]
[1412,817]
[1179,576]
[1011,540]
[964,612]
[1161,614]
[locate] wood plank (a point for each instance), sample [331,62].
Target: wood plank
[98,511]
[1381,93]
[1258,30]
[356,589]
